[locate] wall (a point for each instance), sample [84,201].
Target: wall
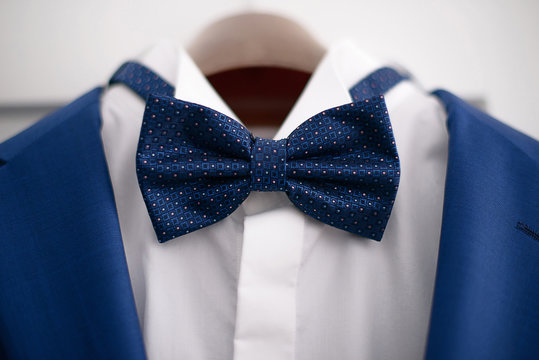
[54,50]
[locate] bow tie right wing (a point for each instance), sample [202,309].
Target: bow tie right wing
[343,167]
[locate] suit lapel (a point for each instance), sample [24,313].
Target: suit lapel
[63,275]
[486,299]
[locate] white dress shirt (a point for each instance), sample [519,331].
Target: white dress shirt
[269,282]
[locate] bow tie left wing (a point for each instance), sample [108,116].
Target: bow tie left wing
[193,165]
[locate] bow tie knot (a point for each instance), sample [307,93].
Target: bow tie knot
[268,165]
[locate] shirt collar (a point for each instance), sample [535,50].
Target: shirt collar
[341,67]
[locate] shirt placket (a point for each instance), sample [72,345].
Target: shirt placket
[267,285]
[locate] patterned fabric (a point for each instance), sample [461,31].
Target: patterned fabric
[195,165]
[376,83]
[268,164]
[141,80]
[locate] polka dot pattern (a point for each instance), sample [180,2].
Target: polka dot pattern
[141,80]
[376,83]
[268,164]
[343,168]
[195,166]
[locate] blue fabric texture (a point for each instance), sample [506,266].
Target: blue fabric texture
[486,299]
[376,83]
[141,80]
[196,166]
[65,291]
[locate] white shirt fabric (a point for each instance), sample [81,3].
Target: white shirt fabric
[269,282]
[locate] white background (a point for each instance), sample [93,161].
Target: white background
[53,51]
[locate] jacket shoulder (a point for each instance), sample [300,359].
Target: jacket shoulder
[72,111]
[467,122]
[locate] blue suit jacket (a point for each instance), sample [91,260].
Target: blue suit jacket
[65,291]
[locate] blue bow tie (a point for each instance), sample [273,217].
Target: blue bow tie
[195,165]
